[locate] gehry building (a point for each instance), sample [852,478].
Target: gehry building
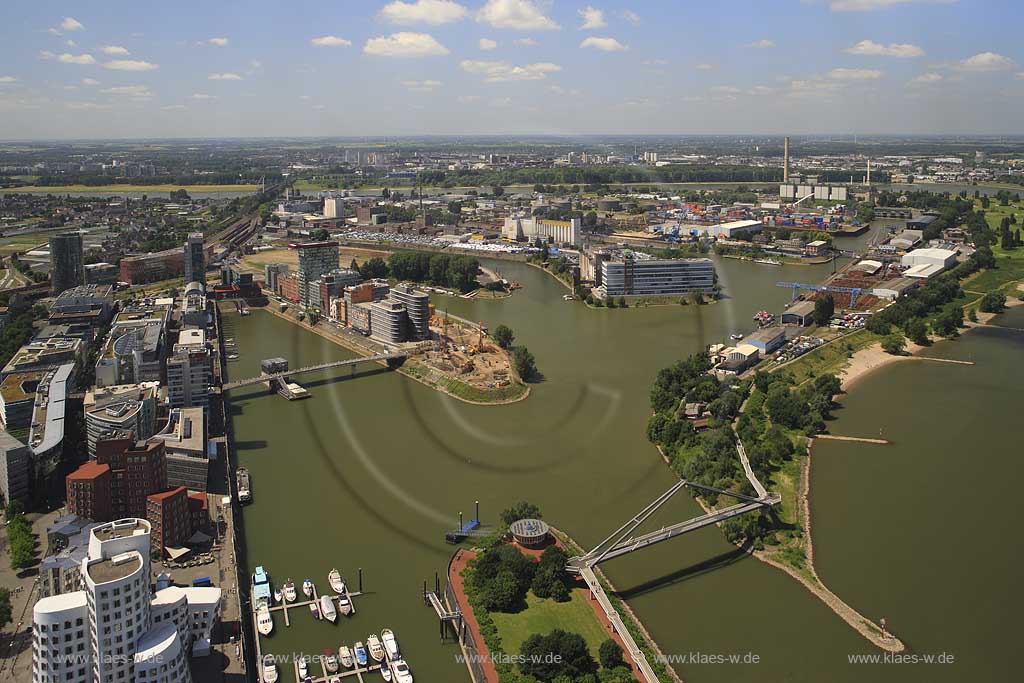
[115,630]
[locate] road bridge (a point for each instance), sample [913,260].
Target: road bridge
[391,358]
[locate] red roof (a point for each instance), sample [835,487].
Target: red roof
[197,500]
[89,471]
[163,495]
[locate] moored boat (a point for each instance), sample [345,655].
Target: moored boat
[401,671]
[337,585]
[314,610]
[269,669]
[360,653]
[346,656]
[330,662]
[344,605]
[303,667]
[307,588]
[264,622]
[374,646]
[277,596]
[327,607]
[390,644]
[289,591]
[385,672]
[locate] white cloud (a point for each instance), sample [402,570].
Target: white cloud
[631,17]
[498,72]
[525,42]
[7,80]
[90,81]
[725,89]
[46,54]
[704,66]
[487,44]
[763,44]
[132,90]
[173,107]
[71,24]
[986,61]
[67,58]
[114,50]
[421,86]
[330,41]
[219,42]
[592,18]
[761,90]
[467,99]
[871,5]
[224,77]
[70,43]
[202,96]
[434,12]
[854,74]
[872,49]
[405,44]
[85,105]
[606,44]
[655,62]
[521,15]
[1020,75]
[501,102]
[812,86]
[927,79]
[130,65]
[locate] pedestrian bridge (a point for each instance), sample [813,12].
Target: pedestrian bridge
[393,359]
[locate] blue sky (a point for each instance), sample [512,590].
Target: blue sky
[122,69]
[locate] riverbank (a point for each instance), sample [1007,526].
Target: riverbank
[121,188]
[515,392]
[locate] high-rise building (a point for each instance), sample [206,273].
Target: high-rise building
[114,630]
[189,371]
[417,305]
[195,259]
[315,259]
[128,408]
[334,207]
[271,273]
[15,468]
[656,277]
[67,262]
[138,469]
[89,492]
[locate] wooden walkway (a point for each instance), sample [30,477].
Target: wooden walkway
[858,439]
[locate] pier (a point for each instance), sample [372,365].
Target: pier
[857,439]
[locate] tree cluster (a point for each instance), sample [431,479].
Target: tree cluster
[502,577]
[21,541]
[458,272]
[557,656]
[550,578]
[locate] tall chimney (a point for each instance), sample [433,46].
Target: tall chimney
[785,160]
[869,172]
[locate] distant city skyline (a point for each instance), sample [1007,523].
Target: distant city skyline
[519,67]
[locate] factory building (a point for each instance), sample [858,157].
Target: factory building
[926,263]
[519,229]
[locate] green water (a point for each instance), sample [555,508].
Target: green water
[373,469]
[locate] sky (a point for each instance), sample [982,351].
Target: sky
[221,68]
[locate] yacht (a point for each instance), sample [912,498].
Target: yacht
[346,656]
[390,644]
[401,671]
[374,646]
[307,588]
[289,591]
[385,672]
[337,585]
[360,653]
[244,487]
[264,622]
[327,608]
[344,605]
[269,669]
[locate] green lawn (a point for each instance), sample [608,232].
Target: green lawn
[543,616]
[785,481]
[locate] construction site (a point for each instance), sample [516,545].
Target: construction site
[461,349]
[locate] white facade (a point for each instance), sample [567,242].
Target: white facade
[334,208]
[941,257]
[560,232]
[115,630]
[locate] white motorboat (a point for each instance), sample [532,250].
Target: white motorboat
[344,605]
[307,588]
[303,668]
[327,608]
[337,585]
[736,336]
[289,591]
[330,662]
[385,672]
[277,596]
[390,644]
[264,622]
[346,656]
[269,669]
[401,671]
[374,646]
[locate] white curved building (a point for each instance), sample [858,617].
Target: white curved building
[115,631]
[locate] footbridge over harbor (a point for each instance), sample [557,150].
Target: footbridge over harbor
[393,359]
[622,542]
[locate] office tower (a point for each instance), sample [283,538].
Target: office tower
[195,259]
[67,263]
[315,259]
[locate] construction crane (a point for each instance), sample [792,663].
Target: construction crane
[854,292]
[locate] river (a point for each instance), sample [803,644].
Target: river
[373,469]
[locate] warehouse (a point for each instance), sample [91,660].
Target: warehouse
[799,313]
[941,257]
[921,222]
[767,339]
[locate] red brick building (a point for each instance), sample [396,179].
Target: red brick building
[168,513]
[89,492]
[163,265]
[138,468]
[289,286]
[198,510]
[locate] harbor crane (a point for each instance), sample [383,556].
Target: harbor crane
[854,292]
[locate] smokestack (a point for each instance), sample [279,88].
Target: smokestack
[869,172]
[785,160]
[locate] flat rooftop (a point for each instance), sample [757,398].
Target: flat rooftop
[121,529]
[114,568]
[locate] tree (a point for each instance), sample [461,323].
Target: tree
[783,407]
[877,325]
[697,298]
[895,344]
[557,654]
[610,654]
[916,330]
[622,302]
[993,302]
[320,235]
[497,190]
[525,364]
[549,578]
[521,510]
[504,336]
[824,308]
[5,607]
[374,268]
